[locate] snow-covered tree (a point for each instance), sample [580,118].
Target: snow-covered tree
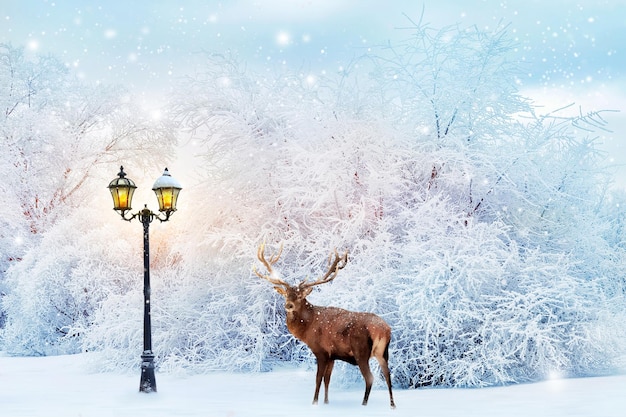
[469,217]
[57,132]
[57,136]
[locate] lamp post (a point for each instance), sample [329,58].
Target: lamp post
[166,189]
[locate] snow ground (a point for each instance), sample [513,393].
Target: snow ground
[64,386]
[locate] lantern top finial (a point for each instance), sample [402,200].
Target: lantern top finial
[122,181]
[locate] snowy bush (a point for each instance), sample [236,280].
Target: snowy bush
[56,288]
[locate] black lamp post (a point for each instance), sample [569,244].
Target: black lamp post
[166,189]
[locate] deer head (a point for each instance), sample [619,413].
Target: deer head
[296,295]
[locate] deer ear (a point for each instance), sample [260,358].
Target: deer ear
[305,292]
[281,291]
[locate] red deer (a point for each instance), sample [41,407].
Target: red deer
[332,333]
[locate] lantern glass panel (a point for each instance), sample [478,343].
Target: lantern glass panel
[122,197]
[167,197]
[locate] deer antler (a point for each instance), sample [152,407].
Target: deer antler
[271,277]
[333,268]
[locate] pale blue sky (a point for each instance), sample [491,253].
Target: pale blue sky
[149,41]
[573,49]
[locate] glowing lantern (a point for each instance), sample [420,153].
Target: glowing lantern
[166,189]
[122,190]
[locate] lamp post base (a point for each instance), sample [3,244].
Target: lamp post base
[148,380]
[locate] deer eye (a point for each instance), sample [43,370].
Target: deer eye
[289,306]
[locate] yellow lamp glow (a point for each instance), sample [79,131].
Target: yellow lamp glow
[167,199]
[122,190]
[166,189]
[123,200]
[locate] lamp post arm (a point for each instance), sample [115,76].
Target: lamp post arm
[122,214]
[146,215]
[166,216]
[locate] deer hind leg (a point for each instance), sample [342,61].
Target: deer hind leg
[322,365]
[383,360]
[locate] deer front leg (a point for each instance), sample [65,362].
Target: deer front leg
[327,372]
[322,363]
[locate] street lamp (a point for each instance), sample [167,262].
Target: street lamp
[166,189]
